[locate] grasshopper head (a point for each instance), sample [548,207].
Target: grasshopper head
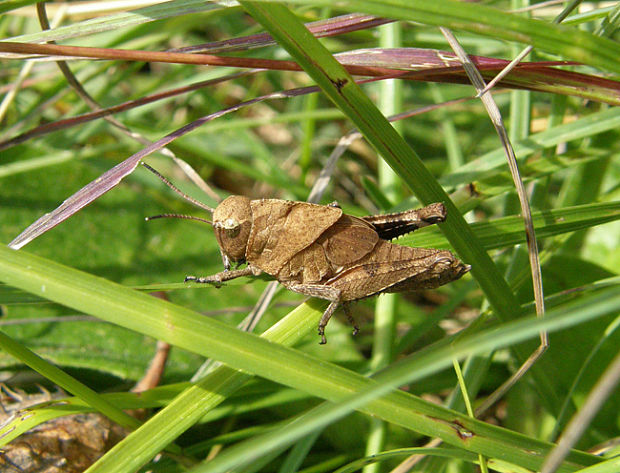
[232,221]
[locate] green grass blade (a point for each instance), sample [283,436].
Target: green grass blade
[610,466]
[508,231]
[488,163]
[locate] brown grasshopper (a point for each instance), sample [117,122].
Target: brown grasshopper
[319,251]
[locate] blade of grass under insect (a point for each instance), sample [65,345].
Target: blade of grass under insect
[189,330]
[418,366]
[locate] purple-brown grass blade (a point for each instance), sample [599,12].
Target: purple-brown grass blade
[323,28]
[77,201]
[111,178]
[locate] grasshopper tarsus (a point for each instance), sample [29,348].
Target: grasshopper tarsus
[347,311]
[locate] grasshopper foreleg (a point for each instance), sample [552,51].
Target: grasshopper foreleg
[219,278]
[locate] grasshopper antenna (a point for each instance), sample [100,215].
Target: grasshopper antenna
[197,203]
[186,217]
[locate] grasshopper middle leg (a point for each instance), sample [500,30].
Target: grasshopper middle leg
[329,293]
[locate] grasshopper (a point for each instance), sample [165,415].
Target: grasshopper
[319,251]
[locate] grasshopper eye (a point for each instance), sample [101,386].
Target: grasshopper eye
[230,226]
[233,232]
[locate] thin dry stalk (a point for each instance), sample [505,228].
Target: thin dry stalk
[526,212]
